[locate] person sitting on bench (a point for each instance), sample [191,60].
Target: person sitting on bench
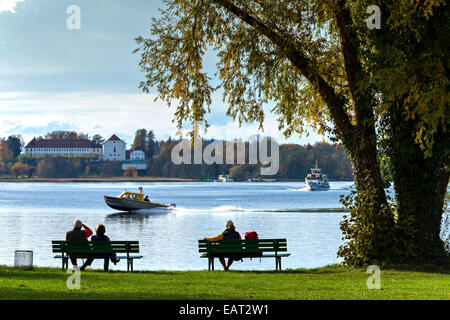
[100,236]
[229,234]
[76,234]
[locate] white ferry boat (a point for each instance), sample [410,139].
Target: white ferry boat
[316,180]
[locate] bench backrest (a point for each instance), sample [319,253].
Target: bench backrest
[242,246]
[62,246]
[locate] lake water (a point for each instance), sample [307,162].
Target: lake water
[33,214]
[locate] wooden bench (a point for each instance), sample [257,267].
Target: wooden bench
[92,247]
[270,248]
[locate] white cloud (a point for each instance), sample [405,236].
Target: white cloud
[89,112]
[32,113]
[35,70]
[14,95]
[9,5]
[231,130]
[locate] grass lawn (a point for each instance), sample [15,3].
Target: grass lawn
[331,282]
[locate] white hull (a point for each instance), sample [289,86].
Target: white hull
[316,181]
[311,186]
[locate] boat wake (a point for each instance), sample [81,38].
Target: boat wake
[220,209]
[298,189]
[234,209]
[304,189]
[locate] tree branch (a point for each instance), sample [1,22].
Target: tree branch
[350,52]
[353,68]
[305,67]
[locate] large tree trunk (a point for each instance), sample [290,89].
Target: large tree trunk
[369,229]
[420,185]
[366,170]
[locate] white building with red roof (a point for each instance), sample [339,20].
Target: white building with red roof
[55,147]
[114,149]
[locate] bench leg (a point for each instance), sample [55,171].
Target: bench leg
[277,263]
[130,265]
[210,264]
[65,263]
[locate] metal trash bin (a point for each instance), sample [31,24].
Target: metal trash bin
[23,259]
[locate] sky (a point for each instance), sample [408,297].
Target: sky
[53,77]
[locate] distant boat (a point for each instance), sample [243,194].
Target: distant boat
[132,201]
[224,178]
[316,180]
[259,179]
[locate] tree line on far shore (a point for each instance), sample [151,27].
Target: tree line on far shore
[295,161]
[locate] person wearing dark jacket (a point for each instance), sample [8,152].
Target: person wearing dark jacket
[100,236]
[77,234]
[230,233]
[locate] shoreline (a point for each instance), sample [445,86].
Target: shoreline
[128,179]
[117,179]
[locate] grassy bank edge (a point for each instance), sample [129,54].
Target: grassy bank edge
[330,282]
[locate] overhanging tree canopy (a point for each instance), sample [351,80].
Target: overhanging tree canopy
[320,64]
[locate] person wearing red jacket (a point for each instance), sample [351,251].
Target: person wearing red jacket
[77,234]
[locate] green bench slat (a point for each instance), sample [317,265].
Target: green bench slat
[243,241]
[99,247]
[80,250]
[240,246]
[118,257]
[261,241]
[97,244]
[95,247]
[96,251]
[110,242]
[239,250]
[283,255]
[273,255]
